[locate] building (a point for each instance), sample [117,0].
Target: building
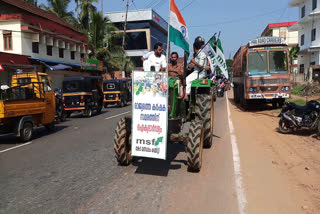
[282,30]
[309,33]
[144,29]
[48,40]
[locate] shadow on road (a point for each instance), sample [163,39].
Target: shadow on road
[80,115]
[253,108]
[149,166]
[37,133]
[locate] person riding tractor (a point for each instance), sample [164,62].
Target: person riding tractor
[198,109]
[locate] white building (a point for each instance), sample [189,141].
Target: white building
[45,38]
[281,30]
[309,33]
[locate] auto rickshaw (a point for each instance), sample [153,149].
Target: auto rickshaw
[117,91]
[82,94]
[26,100]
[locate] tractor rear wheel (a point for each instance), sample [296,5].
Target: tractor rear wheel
[204,113]
[122,143]
[194,146]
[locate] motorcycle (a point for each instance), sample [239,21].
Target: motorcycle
[220,89]
[294,117]
[60,112]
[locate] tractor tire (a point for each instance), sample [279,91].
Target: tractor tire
[122,142]
[26,132]
[204,114]
[214,93]
[194,146]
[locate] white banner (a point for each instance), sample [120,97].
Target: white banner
[149,114]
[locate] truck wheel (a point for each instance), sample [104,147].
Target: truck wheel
[88,112]
[194,146]
[204,114]
[26,131]
[122,143]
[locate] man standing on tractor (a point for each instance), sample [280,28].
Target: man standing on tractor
[156,61]
[198,64]
[175,69]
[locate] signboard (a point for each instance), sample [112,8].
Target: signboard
[91,64]
[149,114]
[267,41]
[1,67]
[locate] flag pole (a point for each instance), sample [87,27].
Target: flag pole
[168,41]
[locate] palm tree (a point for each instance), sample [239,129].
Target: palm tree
[59,8]
[87,9]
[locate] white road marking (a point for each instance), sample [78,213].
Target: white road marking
[15,147]
[108,118]
[241,195]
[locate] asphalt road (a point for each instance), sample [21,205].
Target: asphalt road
[73,170]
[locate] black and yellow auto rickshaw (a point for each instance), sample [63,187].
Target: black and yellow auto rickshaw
[82,94]
[116,91]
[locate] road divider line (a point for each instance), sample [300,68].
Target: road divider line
[15,147]
[241,195]
[108,118]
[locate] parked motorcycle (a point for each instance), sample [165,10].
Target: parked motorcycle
[60,112]
[294,117]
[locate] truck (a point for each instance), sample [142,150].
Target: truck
[26,101]
[261,72]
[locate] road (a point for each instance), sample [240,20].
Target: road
[73,170]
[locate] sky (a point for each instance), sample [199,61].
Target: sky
[239,21]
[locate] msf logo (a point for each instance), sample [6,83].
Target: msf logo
[153,142]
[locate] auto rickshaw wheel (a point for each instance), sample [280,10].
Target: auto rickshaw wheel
[121,103]
[88,112]
[26,131]
[68,113]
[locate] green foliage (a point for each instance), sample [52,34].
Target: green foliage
[87,10]
[300,102]
[59,8]
[297,90]
[34,2]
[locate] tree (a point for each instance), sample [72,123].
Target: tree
[87,9]
[59,8]
[34,2]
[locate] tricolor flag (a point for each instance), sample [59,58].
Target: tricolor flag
[178,32]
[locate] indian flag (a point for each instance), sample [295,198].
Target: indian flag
[178,33]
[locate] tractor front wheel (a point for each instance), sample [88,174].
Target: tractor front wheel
[204,113]
[122,143]
[194,146]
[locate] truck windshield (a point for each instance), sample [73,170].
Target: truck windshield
[257,63]
[278,62]
[73,86]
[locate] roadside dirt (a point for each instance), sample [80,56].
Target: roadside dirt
[281,173]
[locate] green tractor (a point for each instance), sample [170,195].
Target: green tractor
[199,111]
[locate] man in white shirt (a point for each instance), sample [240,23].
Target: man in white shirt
[156,61]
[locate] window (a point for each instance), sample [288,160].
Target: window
[314,4]
[49,50]
[278,62]
[46,83]
[257,63]
[302,40]
[301,69]
[72,54]
[303,11]
[82,56]
[313,34]
[312,63]
[7,40]
[61,52]
[35,47]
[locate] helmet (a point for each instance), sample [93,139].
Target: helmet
[199,41]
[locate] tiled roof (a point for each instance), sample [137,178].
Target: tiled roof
[8,58]
[38,12]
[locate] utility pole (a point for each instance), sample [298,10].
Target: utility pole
[125,26]
[102,8]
